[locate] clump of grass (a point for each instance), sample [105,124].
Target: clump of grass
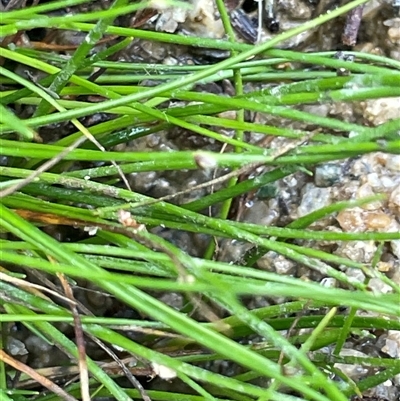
[128,262]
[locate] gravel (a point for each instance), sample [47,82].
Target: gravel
[292,197]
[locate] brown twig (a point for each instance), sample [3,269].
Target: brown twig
[36,376]
[81,347]
[80,340]
[31,287]
[352,25]
[128,373]
[45,166]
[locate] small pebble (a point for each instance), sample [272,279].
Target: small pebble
[16,347]
[351,220]
[327,174]
[379,287]
[394,201]
[284,266]
[366,191]
[392,344]
[359,251]
[355,274]
[378,111]
[355,372]
[314,198]
[393,163]
[377,221]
